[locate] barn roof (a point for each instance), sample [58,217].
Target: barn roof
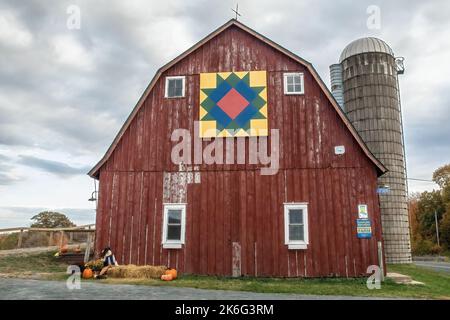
[94,172]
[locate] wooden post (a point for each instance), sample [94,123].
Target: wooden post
[50,239]
[380,259]
[236,259]
[19,243]
[61,239]
[70,237]
[88,248]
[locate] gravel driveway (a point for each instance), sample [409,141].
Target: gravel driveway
[25,289]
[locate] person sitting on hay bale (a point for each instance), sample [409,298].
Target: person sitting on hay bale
[109,261]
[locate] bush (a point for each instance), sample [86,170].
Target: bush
[9,241]
[35,239]
[422,247]
[435,249]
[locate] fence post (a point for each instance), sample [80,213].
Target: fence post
[50,239]
[19,243]
[88,248]
[61,239]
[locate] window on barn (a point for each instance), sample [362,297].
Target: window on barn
[293,83]
[296,225]
[174,225]
[175,87]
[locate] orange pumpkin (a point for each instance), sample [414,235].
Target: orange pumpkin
[87,273]
[172,272]
[166,277]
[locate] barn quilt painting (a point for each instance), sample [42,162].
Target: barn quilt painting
[233,104]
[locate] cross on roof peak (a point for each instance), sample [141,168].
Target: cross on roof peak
[236,11]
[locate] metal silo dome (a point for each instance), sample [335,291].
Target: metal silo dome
[363,45]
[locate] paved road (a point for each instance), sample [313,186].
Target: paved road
[24,289]
[437,266]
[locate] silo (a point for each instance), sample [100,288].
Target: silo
[336,83]
[372,104]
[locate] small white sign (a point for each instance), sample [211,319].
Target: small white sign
[362,211]
[339,149]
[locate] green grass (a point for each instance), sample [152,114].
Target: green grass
[437,285]
[31,263]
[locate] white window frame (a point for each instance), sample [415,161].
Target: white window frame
[174,244]
[302,83]
[296,244]
[183,78]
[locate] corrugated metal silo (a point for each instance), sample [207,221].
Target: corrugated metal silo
[371,100]
[336,83]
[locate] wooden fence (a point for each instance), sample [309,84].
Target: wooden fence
[89,228]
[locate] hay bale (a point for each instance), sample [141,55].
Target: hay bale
[115,272]
[154,272]
[137,272]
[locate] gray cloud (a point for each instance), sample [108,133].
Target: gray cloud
[6,175]
[51,166]
[68,91]
[6,179]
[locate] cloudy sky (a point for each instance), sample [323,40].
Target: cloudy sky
[64,93]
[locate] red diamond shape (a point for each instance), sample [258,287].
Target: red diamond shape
[233,103]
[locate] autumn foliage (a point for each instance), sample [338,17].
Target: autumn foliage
[424,209]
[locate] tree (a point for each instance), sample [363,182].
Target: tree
[50,219]
[429,203]
[444,230]
[422,211]
[413,202]
[442,176]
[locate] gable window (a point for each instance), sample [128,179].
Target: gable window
[296,225]
[175,87]
[174,225]
[293,83]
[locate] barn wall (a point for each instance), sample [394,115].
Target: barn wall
[234,203]
[247,208]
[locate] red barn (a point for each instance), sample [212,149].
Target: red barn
[230,217]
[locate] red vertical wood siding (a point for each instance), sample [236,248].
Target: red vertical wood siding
[235,203]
